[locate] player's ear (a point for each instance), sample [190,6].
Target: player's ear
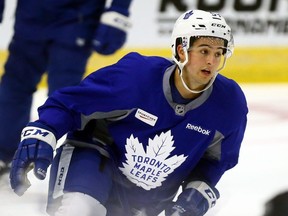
[181,53]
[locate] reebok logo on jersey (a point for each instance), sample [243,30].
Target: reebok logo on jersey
[146,117]
[198,129]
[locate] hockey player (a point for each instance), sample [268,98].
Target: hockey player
[56,37]
[140,129]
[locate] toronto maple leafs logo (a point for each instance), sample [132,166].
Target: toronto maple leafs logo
[149,169]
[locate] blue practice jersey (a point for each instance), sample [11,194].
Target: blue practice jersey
[158,143]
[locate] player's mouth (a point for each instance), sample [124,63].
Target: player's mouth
[206,72]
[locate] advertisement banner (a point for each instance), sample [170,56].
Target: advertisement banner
[253,22]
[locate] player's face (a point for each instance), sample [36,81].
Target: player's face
[204,58]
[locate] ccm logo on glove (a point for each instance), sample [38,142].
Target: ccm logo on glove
[40,134]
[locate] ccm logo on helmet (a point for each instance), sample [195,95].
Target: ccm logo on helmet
[218,25]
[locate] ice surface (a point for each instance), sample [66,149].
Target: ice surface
[260,174]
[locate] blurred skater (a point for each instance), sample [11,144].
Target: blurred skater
[57,37]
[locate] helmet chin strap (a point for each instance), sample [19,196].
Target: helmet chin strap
[181,66]
[198,91]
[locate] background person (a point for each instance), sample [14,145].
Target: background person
[277,205]
[57,37]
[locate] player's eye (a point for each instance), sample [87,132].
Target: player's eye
[218,54]
[204,51]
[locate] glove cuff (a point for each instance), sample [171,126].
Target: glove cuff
[39,134]
[116,20]
[210,194]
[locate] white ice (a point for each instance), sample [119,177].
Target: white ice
[262,171]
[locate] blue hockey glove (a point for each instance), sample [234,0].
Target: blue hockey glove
[111,32]
[195,200]
[35,150]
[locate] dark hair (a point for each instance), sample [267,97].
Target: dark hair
[179,41]
[192,41]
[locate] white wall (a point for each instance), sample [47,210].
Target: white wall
[6,27]
[151,28]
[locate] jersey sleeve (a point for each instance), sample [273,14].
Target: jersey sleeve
[121,6]
[115,87]
[102,91]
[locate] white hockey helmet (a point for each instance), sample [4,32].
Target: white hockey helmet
[196,23]
[199,23]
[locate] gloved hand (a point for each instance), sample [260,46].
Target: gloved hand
[111,32]
[35,150]
[195,200]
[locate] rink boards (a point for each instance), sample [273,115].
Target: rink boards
[247,65]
